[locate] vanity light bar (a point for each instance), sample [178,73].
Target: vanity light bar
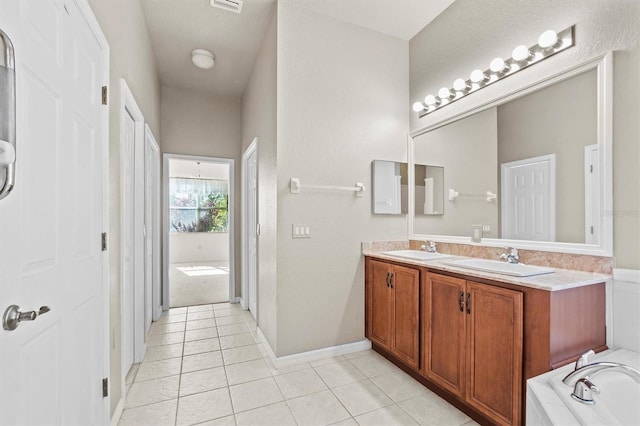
[549,43]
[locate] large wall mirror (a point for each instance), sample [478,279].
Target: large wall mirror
[534,167]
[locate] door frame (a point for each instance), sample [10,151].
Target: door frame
[128,105]
[166,157]
[244,300]
[551,159]
[156,306]
[87,13]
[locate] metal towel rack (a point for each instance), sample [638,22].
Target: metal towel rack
[489,196]
[296,186]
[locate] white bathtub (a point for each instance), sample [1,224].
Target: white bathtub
[549,400]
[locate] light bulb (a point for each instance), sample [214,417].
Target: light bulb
[521,53]
[498,65]
[548,39]
[417,107]
[478,76]
[444,93]
[431,100]
[460,85]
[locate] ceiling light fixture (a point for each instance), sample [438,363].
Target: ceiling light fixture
[230,5]
[203,59]
[549,43]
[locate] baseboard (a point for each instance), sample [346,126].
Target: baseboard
[240,300]
[314,355]
[117,413]
[237,300]
[267,346]
[628,275]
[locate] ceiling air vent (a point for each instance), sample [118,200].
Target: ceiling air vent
[231,5]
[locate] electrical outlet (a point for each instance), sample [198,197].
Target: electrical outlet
[486,229]
[300,231]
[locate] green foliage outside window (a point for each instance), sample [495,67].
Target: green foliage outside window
[198,205]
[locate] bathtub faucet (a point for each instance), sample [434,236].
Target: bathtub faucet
[589,370]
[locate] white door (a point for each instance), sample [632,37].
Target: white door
[51,369]
[252,228]
[528,199]
[591,194]
[128,253]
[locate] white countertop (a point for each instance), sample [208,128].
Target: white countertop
[561,279]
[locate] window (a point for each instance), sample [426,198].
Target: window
[198,205]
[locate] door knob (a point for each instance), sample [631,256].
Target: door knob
[13,317]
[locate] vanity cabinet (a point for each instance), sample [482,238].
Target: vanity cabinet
[393,304]
[474,340]
[472,344]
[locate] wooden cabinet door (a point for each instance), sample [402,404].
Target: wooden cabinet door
[444,332]
[379,294]
[494,327]
[405,337]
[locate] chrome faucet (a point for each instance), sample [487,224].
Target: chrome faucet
[511,255]
[590,370]
[430,248]
[580,377]
[584,359]
[583,391]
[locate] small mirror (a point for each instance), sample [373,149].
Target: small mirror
[390,184]
[429,189]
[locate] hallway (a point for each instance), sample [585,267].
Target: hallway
[205,365]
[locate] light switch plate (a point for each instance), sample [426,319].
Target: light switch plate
[300,231]
[476,233]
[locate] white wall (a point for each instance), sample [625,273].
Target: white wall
[132,58]
[470,33]
[342,102]
[194,123]
[187,247]
[259,105]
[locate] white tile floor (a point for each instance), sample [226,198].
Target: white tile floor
[205,365]
[198,283]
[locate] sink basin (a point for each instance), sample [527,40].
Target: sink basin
[416,254]
[498,267]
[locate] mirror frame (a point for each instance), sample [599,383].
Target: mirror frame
[604,66]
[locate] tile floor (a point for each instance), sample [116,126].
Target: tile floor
[205,365]
[198,283]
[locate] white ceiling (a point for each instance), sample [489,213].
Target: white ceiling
[178,27]
[399,18]
[204,170]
